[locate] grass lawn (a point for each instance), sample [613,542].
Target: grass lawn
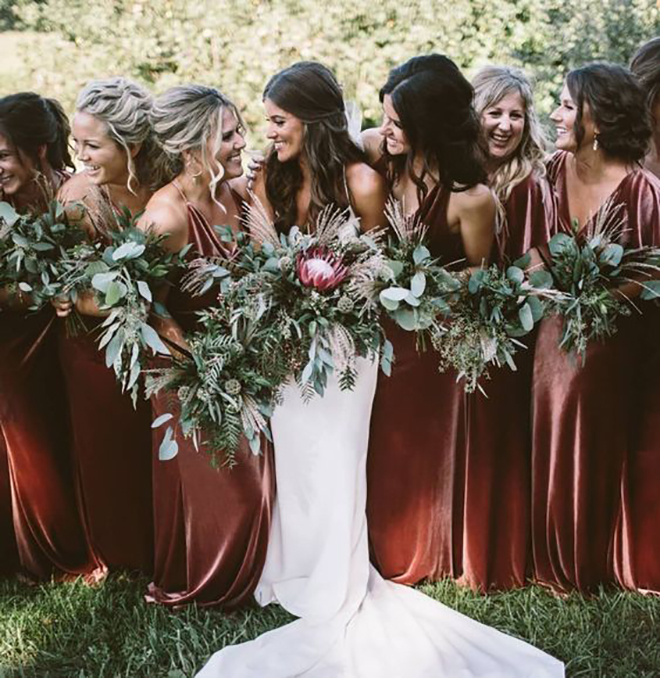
[109,631]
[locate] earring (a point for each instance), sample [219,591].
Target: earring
[195,176]
[595,145]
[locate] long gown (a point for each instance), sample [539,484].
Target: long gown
[211,524]
[33,414]
[417,446]
[583,416]
[496,532]
[8,553]
[353,623]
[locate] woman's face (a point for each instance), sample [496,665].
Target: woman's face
[395,138]
[285,131]
[564,117]
[104,160]
[232,144]
[503,125]
[16,169]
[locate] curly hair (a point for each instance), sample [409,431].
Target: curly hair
[309,91]
[184,118]
[645,66]
[617,106]
[124,106]
[29,121]
[491,84]
[434,103]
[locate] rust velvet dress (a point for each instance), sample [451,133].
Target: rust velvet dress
[33,413]
[212,525]
[583,419]
[416,460]
[496,538]
[8,553]
[112,455]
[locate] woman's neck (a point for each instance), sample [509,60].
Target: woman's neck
[121,196]
[198,192]
[38,192]
[593,167]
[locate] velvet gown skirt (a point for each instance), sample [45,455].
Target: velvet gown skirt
[34,415]
[582,419]
[112,456]
[211,524]
[496,524]
[416,467]
[637,554]
[8,552]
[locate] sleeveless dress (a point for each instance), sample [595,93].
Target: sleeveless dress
[34,417]
[211,524]
[496,531]
[353,623]
[112,452]
[583,417]
[417,445]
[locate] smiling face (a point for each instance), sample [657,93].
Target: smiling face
[396,140]
[16,169]
[565,117]
[104,160]
[232,143]
[285,131]
[504,124]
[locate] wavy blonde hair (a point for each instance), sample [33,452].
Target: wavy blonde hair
[491,84]
[124,107]
[184,118]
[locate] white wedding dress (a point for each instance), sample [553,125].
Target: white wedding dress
[353,623]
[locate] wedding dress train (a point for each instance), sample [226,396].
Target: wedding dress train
[353,623]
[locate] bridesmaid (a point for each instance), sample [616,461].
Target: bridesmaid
[211,524]
[112,440]
[416,463]
[34,161]
[582,412]
[496,533]
[637,552]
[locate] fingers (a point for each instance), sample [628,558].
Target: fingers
[63,307]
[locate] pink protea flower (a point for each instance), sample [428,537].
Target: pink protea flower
[320,269]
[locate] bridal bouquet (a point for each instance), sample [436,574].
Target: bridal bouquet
[317,291]
[416,292]
[31,247]
[495,307]
[586,266]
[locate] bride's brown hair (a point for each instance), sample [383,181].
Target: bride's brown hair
[309,91]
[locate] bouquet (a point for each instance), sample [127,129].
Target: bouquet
[31,247]
[415,291]
[587,266]
[495,307]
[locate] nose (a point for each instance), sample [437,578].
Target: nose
[271,132]
[555,116]
[504,123]
[385,128]
[240,142]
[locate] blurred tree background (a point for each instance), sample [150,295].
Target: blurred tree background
[55,46]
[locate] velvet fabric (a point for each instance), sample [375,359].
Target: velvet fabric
[416,460]
[33,413]
[8,552]
[112,455]
[212,524]
[583,418]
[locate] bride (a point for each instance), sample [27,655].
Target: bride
[352,623]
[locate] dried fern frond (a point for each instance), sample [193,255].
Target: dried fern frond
[258,223]
[407,228]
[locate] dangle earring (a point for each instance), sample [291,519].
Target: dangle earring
[194,177]
[595,144]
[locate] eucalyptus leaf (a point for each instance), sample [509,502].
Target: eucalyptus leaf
[418,284]
[420,254]
[526,317]
[101,281]
[168,448]
[152,340]
[406,319]
[394,294]
[144,290]
[116,290]
[8,214]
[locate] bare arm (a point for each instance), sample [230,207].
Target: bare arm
[474,210]
[372,141]
[369,195]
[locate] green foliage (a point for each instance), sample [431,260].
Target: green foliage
[237,44]
[108,631]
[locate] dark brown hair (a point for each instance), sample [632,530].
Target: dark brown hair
[309,91]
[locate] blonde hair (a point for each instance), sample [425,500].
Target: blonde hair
[124,106]
[184,118]
[491,84]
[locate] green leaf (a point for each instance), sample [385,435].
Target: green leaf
[116,291]
[159,421]
[420,254]
[128,250]
[526,317]
[168,448]
[418,284]
[541,279]
[537,308]
[475,281]
[524,261]
[113,348]
[515,274]
[144,290]
[412,300]
[395,266]
[394,294]
[612,255]
[651,290]
[8,214]
[559,242]
[101,281]
[152,340]
[406,319]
